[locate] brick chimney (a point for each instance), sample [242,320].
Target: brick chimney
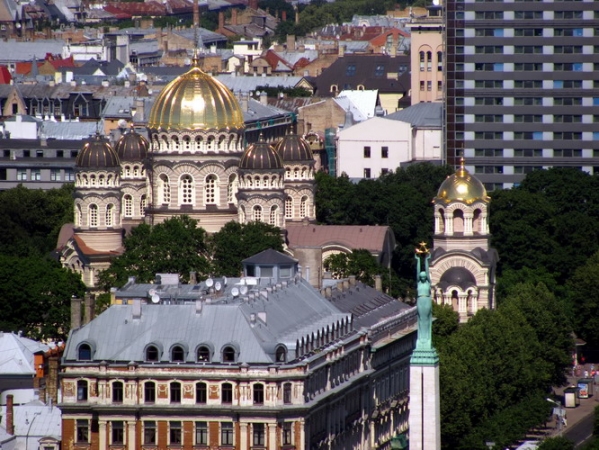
[221,20]
[283,16]
[75,313]
[233,17]
[10,426]
[89,304]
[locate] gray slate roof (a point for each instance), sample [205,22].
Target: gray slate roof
[251,83]
[269,256]
[16,354]
[13,51]
[67,130]
[425,114]
[290,312]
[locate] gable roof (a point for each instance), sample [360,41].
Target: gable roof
[269,256]
[370,71]
[420,115]
[17,354]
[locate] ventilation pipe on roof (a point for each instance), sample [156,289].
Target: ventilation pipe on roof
[340,286]
[199,306]
[345,285]
[193,279]
[378,283]
[328,292]
[352,280]
[75,313]
[136,312]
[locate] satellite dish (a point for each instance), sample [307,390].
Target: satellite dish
[151,292]
[155,298]
[122,123]
[243,289]
[224,281]
[209,282]
[218,286]
[235,292]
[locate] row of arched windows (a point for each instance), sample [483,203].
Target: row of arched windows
[178,354]
[298,173]
[199,143]
[128,206]
[134,171]
[265,181]
[426,60]
[186,189]
[95,181]
[93,215]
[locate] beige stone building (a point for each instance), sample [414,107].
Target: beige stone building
[463,263]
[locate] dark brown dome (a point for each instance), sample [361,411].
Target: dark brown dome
[132,146]
[97,154]
[260,156]
[294,148]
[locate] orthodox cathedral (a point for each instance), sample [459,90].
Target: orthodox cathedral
[195,163]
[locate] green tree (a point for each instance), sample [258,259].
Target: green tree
[177,245]
[446,323]
[360,263]
[584,299]
[31,219]
[556,443]
[236,242]
[35,295]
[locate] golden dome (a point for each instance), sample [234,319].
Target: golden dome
[462,187]
[97,153]
[261,156]
[196,100]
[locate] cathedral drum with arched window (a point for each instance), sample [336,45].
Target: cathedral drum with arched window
[463,264]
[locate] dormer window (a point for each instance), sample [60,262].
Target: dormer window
[281,354]
[85,353]
[228,354]
[177,354]
[203,354]
[152,354]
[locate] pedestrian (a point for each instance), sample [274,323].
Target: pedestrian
[565,421]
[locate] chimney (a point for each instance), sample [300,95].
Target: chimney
[263,98]
[233,16]
[296,15]
[340,286]
[262,316]
[52,379]
[221,20]
[136,313]
[345,285]
[378,283]
[352,280]
[88,308]
[193,279]
[283,16]
[244,102]
[341,50]
[10,426]
[290,43]
[199,306]
[328,292]
[75,313]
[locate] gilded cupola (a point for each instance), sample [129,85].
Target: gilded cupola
[260,156]
[97,153]
[463,187]
[132,146]
[196,101]
[293,148]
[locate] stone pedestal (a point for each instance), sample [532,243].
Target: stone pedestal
[424,420]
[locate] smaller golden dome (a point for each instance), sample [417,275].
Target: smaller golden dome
[293,148]
[462,187]
[260,156]
[196,100]
[132,146]
[97,153]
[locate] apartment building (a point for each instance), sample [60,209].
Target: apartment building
[521,87]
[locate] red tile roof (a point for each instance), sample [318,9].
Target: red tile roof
[4,75]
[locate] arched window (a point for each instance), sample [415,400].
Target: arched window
[287,172]
[128,206]
[203,354]
[458,221]
[135,171]
[210,143]
[429,61]
[101,180]
[274,215]
[92,180]
[152,354]
[303,173]
[241,214]
[265,181]
[296,173]
[164,189]
[210,193]
[93,215]
[78,216]
[439,61]
[421,54]
[186,143]
[117,392]
[304,207]
[257,181]
[201,393]
[82,391]
[477,222]
[127,171]
[288,208]
[186,190]
[177,354]
[258,394]
[281,354]
[109,215]
[232,188]
[228,354]
[257,211]
[85,352]
[142,204]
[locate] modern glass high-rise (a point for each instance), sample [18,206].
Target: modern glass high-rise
[522,89]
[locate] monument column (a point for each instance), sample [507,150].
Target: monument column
[424,420]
